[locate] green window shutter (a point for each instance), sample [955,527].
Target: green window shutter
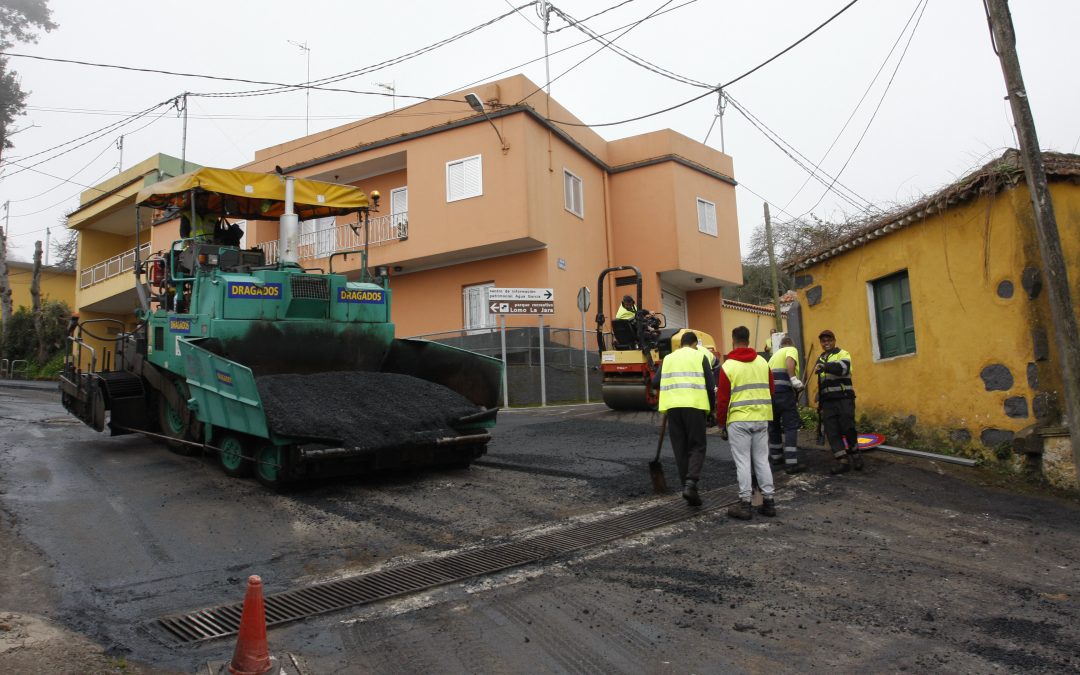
[893,315]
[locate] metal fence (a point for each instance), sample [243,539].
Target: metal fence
[555,374]
[114,266]
[343,237]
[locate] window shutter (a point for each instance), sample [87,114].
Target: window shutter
[473,179]
[893,316]
[455,181]
[464,178]
[706,217]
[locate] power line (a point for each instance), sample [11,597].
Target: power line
[372,68]
[576,65]
[720,87]
[593,16]
[858,105]
[284,87]
[873,116]
[65,181]
[801,160]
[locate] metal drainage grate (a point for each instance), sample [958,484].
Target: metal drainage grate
[217,622]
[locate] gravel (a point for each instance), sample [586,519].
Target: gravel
[361,409]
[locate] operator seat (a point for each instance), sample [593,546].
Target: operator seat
[624,333]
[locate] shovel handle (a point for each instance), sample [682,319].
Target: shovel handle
[660,443]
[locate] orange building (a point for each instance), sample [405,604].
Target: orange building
[519,194]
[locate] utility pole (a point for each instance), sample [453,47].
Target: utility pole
[772,271]
[183,137]
[1046,230]
[5,286]
[120,147]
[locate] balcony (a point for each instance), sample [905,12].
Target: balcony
[114,266]
[321,243]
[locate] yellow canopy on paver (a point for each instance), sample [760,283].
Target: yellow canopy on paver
[249,195]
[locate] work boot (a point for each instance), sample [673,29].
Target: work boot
[856,460]
[768,507]
[741,510]
[690,493]
[840,467]
[792,469]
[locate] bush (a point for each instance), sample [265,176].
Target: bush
[20,340]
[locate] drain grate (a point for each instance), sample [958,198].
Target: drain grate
[218,622]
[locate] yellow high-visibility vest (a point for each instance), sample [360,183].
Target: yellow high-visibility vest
[682,380]
[751,400]
[778,366]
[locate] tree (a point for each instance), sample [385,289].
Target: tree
[19,22]
[65,250]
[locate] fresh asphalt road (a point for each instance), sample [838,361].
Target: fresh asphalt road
[903,567]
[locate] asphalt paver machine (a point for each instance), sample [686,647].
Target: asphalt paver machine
[283,371]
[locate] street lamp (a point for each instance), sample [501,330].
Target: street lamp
[476,104]
[307,95]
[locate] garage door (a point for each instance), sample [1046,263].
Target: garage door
[674,303]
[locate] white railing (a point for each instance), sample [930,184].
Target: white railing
[321,243]
[114,266]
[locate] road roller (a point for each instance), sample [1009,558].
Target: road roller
[631,350]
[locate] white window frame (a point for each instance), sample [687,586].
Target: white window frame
[465,162]
[399,217]
[481,318]
[704,226]
[571,195]
[323,235]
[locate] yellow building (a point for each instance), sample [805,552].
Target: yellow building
[759,319]
[56,284]
[105,224]
[521,195]
[942,307]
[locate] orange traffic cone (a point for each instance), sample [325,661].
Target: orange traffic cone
[252,654]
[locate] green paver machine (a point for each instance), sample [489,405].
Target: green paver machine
[283,371]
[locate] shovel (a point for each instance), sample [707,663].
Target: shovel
[656,469]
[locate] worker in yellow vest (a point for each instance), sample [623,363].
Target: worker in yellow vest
[744,403]
[784,427]
[836,397]
[688,398]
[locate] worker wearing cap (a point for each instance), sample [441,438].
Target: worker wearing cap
[744,406]
[784,427]
[688,398]
[836,397]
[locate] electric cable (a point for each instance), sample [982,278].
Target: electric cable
[717,88]
[576,65]
[330,79]
[593,16]
[858,105]
[873,115]
[68,180]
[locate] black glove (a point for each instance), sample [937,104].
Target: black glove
[723,433]
[710,420]
[819,368]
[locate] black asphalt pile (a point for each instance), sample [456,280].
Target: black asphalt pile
[361,409]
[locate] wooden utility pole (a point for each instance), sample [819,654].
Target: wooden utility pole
[35,305]
[1053,260]
[5,285]
[772,271]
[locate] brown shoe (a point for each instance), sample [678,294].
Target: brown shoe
[741,510]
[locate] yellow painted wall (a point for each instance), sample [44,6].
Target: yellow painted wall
[55,285]
[956,262]
[760,326]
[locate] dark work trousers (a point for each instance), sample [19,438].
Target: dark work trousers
[838,418]
[686,428]
[784,427]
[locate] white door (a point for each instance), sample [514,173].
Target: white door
[674,307]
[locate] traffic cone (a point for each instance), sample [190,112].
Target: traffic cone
[252,654]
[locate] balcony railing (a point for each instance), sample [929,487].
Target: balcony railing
[114,266]
[321,243]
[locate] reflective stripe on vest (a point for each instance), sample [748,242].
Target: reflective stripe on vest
[750,398]
[778,365]
[837,386]
[682,381]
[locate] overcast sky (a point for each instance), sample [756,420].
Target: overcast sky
[943,113]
